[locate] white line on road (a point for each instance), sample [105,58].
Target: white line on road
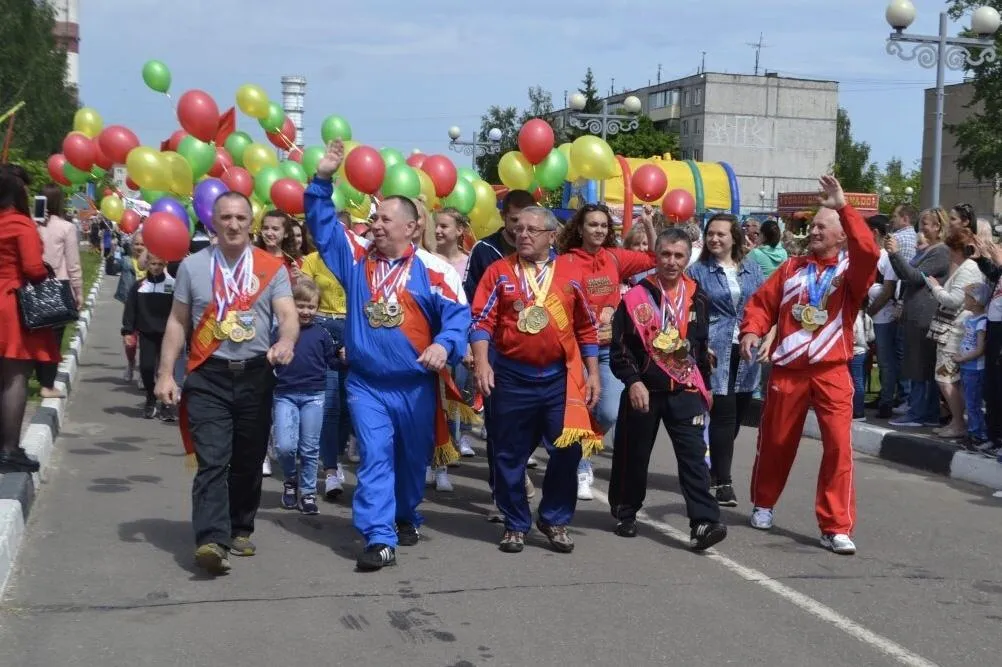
[808,604]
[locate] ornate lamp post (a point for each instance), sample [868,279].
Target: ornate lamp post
[942,52]
[475,148]
[604,123]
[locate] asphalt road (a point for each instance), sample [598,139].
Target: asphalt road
[105,576]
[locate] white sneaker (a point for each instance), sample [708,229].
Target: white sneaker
[530,488]
[584,486]
[532,463]
[483,432]
[353,449]
[761,518]
[333,486]
[465,448]
[429,476]
[129,372]
[442,482]
[838,543]
[139,383]
[340,474]
[900,410]
[266,467]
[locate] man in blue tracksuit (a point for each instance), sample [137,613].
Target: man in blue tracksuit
[408,319]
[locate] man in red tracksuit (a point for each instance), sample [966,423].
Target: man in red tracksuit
[813,301]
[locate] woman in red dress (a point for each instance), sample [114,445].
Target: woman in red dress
[20,349]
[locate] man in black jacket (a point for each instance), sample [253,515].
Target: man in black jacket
[659,351]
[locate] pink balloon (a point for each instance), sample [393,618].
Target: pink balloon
[678,205]
[535,140]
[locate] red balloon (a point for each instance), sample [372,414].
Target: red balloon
[116,141]
[285,137]
[287,194]
[417,160]
[535,140]
[129,222]
[175,139]
[55,165]
[100,159]
[131,184]
[442,173]
[365,169]
[239,180]
[79,150]
[166,236]
[649,183]
[222,164]
[678,205]
[198,114]
[296,155]
[108,192]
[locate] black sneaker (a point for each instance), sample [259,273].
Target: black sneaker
[627,528]
[885,412]
[289,496]
[308,504]
[150,410]
[376,557]
[705,535]
[17,461]
[168,413]
[726,497]
[407,534]
[512,542]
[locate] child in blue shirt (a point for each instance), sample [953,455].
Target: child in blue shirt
[299,402]
[971,360]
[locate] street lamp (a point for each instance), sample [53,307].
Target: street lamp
[475,148]
[604,123]
[942,51]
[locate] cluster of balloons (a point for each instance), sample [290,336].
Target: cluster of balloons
[538,164]
[649,183]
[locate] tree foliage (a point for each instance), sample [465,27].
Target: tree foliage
[646,141]
[592,102]
[852,158]
[34,70]
[510,120]
[898,180]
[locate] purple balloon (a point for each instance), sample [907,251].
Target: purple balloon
[172,206]
[205,196]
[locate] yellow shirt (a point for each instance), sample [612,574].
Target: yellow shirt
[332,297]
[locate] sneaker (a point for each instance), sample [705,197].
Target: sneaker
[900,409]
[266,467]
[905,422]
[726,497]
[376,557]
[838,543]
[761,518]
[704,535]
[140,385]
[407,534]
[242,546]
[212,558]
[558,536]
[884,412]
[530,488]
[465,448]
[353,449]
[333,486]
[532,463]
[627,528]
[429,476]
[289,496]
[308,504]
[150,410]
[168,413]
[860,418]
[130,371]
[442,482]
[584,486]
[512,542]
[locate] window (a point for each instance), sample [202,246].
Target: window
[696,129]
[685,97]
[697,155]
[657,100]
[673,97]
[685,128]
[697,97]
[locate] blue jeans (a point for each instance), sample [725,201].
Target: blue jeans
[607,410]
[298,420]
[887,361]
[973,384]
[923,402]
[857,368]
[334,434]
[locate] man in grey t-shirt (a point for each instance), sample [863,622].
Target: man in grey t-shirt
[225,299]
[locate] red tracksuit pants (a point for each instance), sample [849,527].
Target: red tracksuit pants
[828,389]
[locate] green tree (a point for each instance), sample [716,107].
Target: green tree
[646,141]
[898,180]
[510,120]
[852,158]
[592,102]
[33,69]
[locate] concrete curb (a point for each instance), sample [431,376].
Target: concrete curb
[18,490]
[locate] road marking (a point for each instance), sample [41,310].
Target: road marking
[807,603]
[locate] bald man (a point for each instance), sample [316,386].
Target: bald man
[813,301]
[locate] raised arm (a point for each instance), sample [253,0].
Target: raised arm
[863,253]
[337,246]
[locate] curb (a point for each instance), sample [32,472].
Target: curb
[18,490]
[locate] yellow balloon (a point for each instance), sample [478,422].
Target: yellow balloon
[252,100]
[361,212]
[349,146]
[487,225]
[258,211]
[145,166]
[88,121]
[112,207]
[486,200]
[565,149]
[179,173]
[427,188]
[259,156]
[515,170]
[592,157]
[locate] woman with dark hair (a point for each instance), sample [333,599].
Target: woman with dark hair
[770,253]
[20,349]
[728,279]
[278,237]
[962,216]
[591,244]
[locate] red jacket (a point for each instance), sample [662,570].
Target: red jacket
[773,303]
[495,317]
[603,273]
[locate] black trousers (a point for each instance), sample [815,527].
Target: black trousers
[993,380]
[725,421]
[631,457]
[47,372]
[149,359]
[228,414]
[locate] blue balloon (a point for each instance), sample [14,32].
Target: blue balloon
[205,196]
[172,206]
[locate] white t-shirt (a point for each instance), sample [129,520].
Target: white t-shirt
[994,310]
[731,272]
[886,314]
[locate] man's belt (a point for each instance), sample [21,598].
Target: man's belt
[236,365]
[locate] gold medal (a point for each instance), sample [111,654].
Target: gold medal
[217,331]
[518,306]
[536,319]
[395,320]
[808,320]
[661,342]
[238,334]
[376,312]
[250,333]
[520,323]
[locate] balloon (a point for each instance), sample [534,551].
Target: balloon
[515,170]
[293,170]
[55,165]
[273,121]
[339,201]
[198,114]
[360,228]
[116,141]
[349,146]
[416,159]
[101,161]
[258,210]
[486,203]
[259,156]
[442,173]
[565,150]
[199,155]
[147,169]
[468,175]
[221,164]
[488,224]
[592,157]
[79,150]
[252,100]
[678,205]
[150,196]
[74,175]
[285,138]
[649,183]
[166,236]
[535,140]
[335,127]
[112,208]
[311,158]
[88,121]
[350,195]
[179,172]
[361,210]
[156,76]
[391,156]
[552,171]
[236,144]
[462,198]
[427,189]
[131,184]
[204,198]
[287,194]
[264,180]
[171,206]
[401,180]
[364,168]
[129,222]
[175,139]
[239,180]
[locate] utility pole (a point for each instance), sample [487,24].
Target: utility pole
[702,64]
[659,72]
[758,46]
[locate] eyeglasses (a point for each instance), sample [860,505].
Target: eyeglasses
[531,232]
[588,208]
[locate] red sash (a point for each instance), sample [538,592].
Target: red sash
[645,313]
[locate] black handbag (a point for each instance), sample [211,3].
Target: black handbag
[47,304]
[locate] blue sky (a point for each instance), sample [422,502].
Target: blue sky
[403,72]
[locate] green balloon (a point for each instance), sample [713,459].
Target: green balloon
[462,198]
[292,169]
[264,180]
[552,171]
[401,179]
[335,127]
[311,158]
[157,76]
[236,144]
[273,121]
[392,157]
[74,175]
[151,196]
[468,175]
[339,201]
[200,155]
[98,173]
[352,197]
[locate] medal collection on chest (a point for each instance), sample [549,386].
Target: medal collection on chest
[669,339]
[232,290]
[814,314]
[384,310]
[533,318]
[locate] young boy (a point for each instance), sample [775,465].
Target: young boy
[299,402]
[147,309]
[971,359]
